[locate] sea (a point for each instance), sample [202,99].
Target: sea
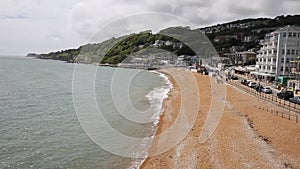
[39,122]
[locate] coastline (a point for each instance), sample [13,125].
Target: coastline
[172,96]
[167,90]
[246,137]
[163,123]
[171,110]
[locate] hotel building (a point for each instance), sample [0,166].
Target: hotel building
[279,49]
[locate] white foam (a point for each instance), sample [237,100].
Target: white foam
[155,98]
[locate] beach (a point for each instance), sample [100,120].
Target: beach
[245,137]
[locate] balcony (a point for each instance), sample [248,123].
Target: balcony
[270,71]
[260,63]
[271,55]
[271,63]
[274,46]
[274,38]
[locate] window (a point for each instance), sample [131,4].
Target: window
[284,34]
[282,60]
[287,60]
[296,52]
[288,52]
[282,51]
[294,34]
[298,35]
[293,51]
[290,34]
[281,68]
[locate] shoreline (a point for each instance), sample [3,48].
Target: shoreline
[160,93]
[166,101]
[171,109]
[170,86]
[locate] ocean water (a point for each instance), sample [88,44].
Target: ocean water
[39,126]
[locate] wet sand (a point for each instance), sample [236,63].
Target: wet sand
[246,137]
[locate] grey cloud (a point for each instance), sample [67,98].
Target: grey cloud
[192,10]
[244,9]
[76,20]
[136,23]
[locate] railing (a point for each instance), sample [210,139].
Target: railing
[289,106]
[282,113]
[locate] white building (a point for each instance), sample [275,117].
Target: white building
[278,49]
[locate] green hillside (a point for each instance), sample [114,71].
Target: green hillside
[237,36]
[144,40]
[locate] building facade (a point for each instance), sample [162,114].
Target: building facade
[279,49]
[242,58]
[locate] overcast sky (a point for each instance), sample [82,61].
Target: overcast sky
[51,25]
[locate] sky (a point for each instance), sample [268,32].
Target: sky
[42,26]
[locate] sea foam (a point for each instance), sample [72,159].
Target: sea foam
[155,98]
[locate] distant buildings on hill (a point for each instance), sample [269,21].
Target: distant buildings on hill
[160,43]
[242,58]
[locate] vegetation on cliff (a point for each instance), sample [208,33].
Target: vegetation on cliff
[234,36]
[143,40]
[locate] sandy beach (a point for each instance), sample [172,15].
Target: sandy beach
[245,137]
